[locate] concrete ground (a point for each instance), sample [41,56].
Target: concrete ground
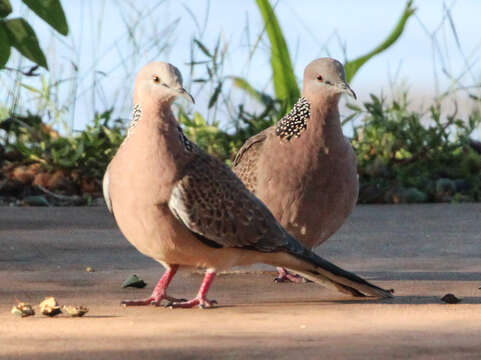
[422,251]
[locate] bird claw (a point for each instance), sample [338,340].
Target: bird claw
[207,304]
[293,278]
[202,303]
[152,300]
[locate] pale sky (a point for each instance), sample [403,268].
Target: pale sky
[99,45]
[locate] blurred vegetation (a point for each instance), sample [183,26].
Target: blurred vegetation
[37,161]
[401,160]
[404,156]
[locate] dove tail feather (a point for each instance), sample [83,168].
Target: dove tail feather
[325,273]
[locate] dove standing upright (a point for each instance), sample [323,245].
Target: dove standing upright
[184,208]
[303,168]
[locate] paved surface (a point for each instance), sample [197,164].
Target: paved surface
[422,251]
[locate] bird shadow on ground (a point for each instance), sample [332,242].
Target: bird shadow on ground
[425,300]
[423,275]
[396,300]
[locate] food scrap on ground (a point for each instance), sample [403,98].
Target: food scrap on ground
[49,306]
[75,310]
[23,310]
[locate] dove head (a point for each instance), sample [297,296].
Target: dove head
[159,83]
[326,77]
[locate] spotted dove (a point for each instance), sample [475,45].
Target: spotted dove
[184,208]
[303,168]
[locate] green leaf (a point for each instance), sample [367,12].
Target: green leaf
[4,46]
[285,84]
[51,11]
[5,8]
[199,120]
[215,95]
[249,89]
[349,118]
[23,38]
[351,67]
[353,107]
[203,48]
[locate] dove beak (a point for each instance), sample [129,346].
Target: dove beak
[347,89]
[182,92]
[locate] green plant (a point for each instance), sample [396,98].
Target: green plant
[286,89]
[403,155]
[398,155]
[18,33]
[208,136]
[88,153]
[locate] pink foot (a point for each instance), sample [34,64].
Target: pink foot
[200,300]
[159,292]
[286,276]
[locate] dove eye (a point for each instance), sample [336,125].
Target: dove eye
[156,79]
[319,77]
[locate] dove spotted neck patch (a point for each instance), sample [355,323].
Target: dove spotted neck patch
[295,122]
[136,114]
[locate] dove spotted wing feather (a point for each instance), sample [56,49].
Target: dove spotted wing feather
[211,201]
[246,160]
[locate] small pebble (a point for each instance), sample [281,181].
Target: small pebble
[450,299]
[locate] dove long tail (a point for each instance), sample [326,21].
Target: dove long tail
[323,272]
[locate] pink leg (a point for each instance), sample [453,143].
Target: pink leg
[286,276]
[159,292]
[200,299]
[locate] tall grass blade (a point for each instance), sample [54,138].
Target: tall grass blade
[243,84]
[203,48]
[215,95]
[353,66]
[285,84]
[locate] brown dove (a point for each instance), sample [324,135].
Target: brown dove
[303,168]
[184,208]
